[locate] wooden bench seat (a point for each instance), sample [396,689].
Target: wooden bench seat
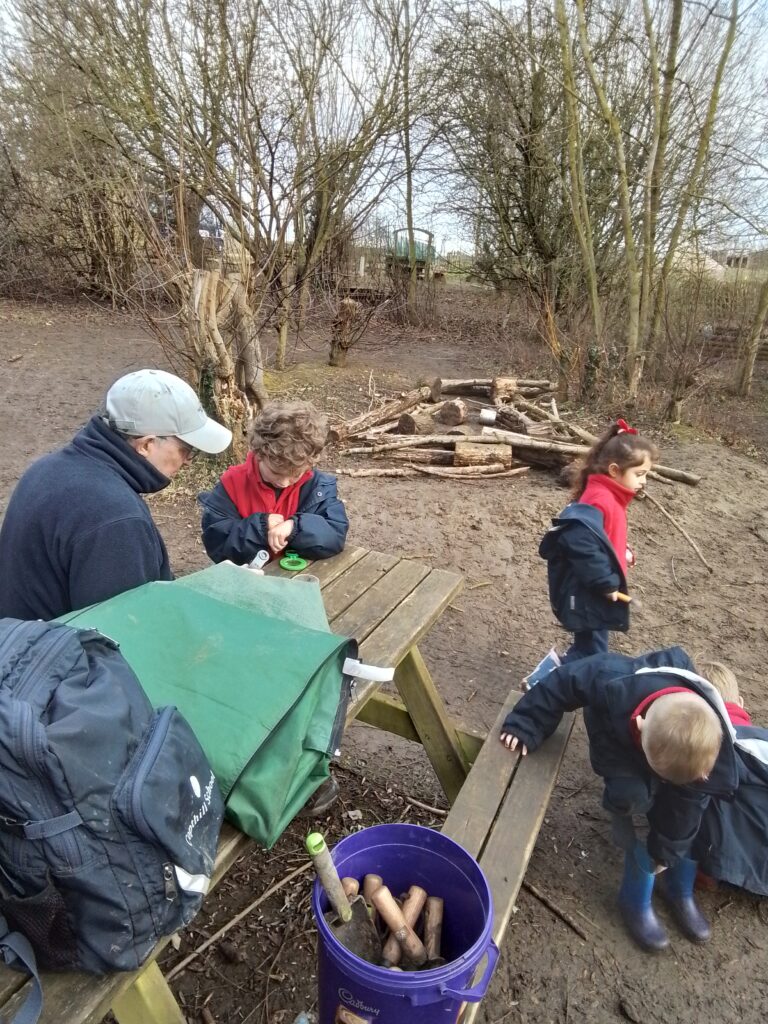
[498,813]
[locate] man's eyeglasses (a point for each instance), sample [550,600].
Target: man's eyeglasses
[189,453]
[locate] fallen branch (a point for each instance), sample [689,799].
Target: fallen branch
[237,919]
[522,441]
[677,526]
[453,473]
[388,411]
[564,916]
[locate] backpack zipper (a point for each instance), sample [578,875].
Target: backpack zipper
[148,758]
[35,671]
[30,752]
[169,883]
[9,638]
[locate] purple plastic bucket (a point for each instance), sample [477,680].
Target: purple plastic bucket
[406,855]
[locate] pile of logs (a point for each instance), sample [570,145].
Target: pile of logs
[476,428]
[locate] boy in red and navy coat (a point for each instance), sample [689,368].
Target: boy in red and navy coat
[276,499]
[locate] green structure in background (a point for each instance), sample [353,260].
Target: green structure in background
[398,255]
[251,663]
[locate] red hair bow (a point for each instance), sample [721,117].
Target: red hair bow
[624,427]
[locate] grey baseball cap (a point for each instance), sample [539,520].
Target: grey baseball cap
[155,402]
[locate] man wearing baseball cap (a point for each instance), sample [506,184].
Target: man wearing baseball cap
[76,529]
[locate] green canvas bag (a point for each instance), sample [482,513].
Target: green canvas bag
[251,663]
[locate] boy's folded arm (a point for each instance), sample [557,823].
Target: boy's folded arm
[675,819]
[321,533]
[226,534]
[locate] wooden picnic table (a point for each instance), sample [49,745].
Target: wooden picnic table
[388,603]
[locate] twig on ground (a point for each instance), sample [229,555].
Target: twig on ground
[302,869]
[677,526]
[674,576]
[564,916]
[425,807]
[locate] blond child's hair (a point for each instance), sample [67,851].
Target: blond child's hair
[681,738]
[721,677]
[289,434]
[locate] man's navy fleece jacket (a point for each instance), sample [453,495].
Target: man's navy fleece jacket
[77,531]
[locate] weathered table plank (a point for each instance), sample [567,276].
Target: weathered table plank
[361,618]
[352,584]
[404,627]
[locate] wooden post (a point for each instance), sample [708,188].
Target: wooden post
[149,1000]
[435,729]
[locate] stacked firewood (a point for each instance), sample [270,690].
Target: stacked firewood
[475,428]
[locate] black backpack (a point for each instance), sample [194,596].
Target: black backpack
[109,810]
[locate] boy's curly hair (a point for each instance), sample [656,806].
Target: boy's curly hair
[289,434]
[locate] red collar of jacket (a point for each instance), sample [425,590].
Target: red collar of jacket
[643,706]
[611,498]
[251,494]
[737,714]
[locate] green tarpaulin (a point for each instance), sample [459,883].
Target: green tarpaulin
[252,665]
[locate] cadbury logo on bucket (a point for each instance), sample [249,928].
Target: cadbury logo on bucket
[344,1015]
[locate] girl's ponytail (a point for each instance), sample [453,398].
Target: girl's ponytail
[620,444]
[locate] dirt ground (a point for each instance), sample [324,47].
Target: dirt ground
[57,362]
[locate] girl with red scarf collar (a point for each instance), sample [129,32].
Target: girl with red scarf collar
[276,499]
[586,548]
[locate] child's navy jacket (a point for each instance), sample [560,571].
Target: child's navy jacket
[609,687]
[582,567]
[732,844]
[321,523]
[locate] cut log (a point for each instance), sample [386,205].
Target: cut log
[452,413]
[503,389]
[388,411]
[425,456]
[417,421]
[440,386]
[468,454]
[510,418]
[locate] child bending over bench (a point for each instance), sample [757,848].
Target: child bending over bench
[660,736]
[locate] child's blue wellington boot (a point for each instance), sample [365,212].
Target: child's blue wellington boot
[676,886]
[635,905]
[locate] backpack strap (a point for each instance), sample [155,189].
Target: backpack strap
[17,953]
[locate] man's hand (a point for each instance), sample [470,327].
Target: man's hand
[278,536]
[511,742]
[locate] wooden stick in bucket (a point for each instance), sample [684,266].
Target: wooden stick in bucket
[412,907]
[411,944]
